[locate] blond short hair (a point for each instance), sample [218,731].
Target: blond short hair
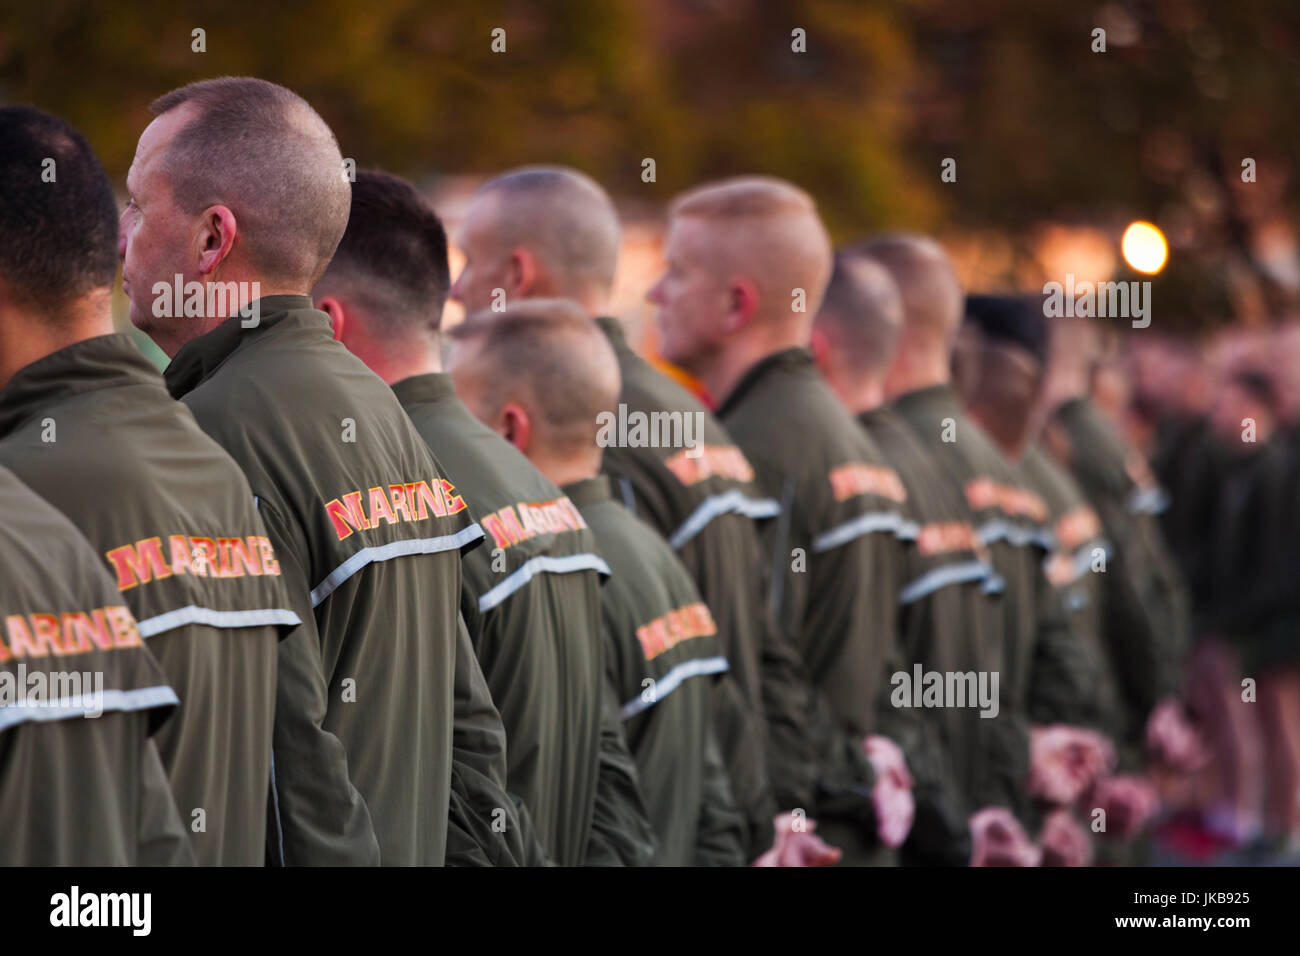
[552,357]
[790,245]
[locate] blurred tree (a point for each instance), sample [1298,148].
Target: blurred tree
[1042,128]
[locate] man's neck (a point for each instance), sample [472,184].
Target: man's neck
[26,336]
[396,364]
[913,371]
[860,396]
[727,367]
[594,303]
[568,471]
[243,291]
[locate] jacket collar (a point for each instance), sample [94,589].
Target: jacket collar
[589,491]
[875,416]
[105,361]
[427,389]
[613,330]
[199,358]
[797,360]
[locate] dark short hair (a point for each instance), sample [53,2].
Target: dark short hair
[58,239]
[394,252]
[1014,319]
[262,150]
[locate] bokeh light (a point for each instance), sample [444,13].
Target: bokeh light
[1144,247]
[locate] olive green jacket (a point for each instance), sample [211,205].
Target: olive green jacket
[663,655]
[531,598]
[704,501]
[76,791]
[92,430]
[369,532]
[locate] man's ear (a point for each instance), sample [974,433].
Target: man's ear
[516,427]
[215,239]
[334,309]
[523,273]
[742,303]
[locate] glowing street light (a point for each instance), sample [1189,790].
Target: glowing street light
[1144,247]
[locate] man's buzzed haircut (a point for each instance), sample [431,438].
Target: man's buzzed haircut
[565,218]
[264,152]
[742,197]
[554,350]
[790,247]
[862,313]
[58,217]
[933,301]
[393,256]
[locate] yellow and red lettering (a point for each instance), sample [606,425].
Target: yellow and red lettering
[21,643]
[122,624]
[204,553]
[138,563]
[82,632]
[347,515]
[397,493]
[455,503]
[270,566]
[430,503]
[181,554]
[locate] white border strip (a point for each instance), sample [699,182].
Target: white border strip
[386,552]
[1082,562]
[1015,534]
[856,528]
[192,614]
[672,680]
[79,706]
[908,530]
[715,505]
[941,577]
[1150,501]
[541,564]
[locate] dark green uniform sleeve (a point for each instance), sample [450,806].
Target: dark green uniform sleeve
[1141,655]
[844,775]
[792,764]
[621,832]
[787,708]
[821,766]
[317,816]
[742,740]
[939,830]
[1064,679]
[163,840]
[721,832]
[486,825]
